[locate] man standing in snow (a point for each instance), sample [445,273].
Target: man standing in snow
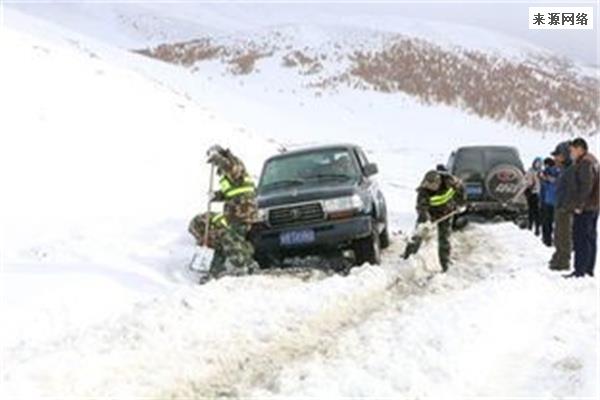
[438,195]
[563,211]
[233,252]
[586,200]
[532,192]
[548,199]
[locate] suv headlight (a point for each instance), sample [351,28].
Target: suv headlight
[346,203]
[262,215]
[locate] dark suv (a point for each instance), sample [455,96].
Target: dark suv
[317,201]
[494,181]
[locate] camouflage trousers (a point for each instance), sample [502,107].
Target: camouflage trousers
[444,230]
[233,253]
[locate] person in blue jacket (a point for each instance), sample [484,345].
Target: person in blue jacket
[548,198]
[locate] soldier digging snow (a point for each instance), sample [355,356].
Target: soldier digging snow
[233,252]
[439,194]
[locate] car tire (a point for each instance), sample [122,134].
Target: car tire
[368,250]
[266,262]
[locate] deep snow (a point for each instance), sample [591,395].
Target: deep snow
[102,165]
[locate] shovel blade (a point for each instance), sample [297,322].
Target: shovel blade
[202,259]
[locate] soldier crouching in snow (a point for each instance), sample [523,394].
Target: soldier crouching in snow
[233,252]
[439,195]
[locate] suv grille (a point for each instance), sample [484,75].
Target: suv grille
[296,214]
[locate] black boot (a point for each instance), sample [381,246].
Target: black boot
[445,267]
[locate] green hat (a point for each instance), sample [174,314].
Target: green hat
[431,181]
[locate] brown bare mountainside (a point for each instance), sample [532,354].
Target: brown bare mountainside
[540,92]
[524,93]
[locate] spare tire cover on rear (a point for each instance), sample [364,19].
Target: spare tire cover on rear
[504,182]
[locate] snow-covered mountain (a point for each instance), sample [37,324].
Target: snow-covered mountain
[102,164]
[484,73]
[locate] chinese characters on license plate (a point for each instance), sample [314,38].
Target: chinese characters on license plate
[297,237]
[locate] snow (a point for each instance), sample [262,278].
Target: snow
[107,179]
[102,166]
[470,333]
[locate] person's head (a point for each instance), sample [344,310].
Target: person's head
[578,148]
[441,168]
[537,163]
[432,181]
[549,162]
[561,153]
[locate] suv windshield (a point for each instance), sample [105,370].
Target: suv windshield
[482,160]
[319,165]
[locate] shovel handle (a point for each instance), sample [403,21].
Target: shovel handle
[210,190]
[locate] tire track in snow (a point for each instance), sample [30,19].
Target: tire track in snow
[219,338]
[481,341]
[257,365]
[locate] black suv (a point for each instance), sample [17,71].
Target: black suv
[494,181]
[317,201]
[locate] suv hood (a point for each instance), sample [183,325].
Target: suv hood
[305,193]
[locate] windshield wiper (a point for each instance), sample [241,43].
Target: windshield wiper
[284,182]
[330,176]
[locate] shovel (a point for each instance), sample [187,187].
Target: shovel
[423,231]
[203,256]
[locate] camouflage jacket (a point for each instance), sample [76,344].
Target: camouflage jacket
[432,205]
[218,227]
[237,189]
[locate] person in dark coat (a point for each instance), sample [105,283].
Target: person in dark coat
[439,195]
[586,208]
[532,193]
[563,209]
[548,198]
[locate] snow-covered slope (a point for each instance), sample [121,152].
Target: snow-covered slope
[102,165]
[101,170]
[130,25]
[481,72]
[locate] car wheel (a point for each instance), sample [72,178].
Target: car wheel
[266,261]
[503,182]
[368,250]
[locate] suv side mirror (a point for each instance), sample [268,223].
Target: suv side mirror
[371,169]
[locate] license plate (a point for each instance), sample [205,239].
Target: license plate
[297,237]
[474,190]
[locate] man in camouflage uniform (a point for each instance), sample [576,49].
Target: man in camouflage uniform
[439,194]
[233,253]
[238,194]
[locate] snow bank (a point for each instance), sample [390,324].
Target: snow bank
[206,341]
[101,171]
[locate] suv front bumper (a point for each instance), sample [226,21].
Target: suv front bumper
[495,207]
[328,235]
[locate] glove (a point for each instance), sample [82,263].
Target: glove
[462,208]
[216,196]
